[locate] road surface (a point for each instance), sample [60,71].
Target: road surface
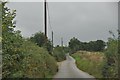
[68,69]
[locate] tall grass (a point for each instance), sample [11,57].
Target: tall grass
[90,62]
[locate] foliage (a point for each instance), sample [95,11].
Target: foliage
[76,45]
[11,41]
[98,45]
[39,38]
[0,23]
[90,62]
[48,46]
[66,49]
[59,53]
[37,63]
[22,58]
[42,41]
[8,23]
[111,66]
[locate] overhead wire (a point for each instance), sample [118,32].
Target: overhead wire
[49,19]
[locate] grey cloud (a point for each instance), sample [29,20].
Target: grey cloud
[84,20]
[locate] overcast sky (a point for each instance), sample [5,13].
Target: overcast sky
[84,20]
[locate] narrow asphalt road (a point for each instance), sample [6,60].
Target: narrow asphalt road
[68,69]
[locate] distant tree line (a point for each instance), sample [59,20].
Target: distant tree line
[75,45]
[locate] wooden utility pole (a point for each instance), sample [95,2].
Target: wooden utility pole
[52,39]
[45,17]
[62,42]
[45,27]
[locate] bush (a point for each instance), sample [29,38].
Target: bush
[110,69]
[29,61]
[37,62]
[11,55]
[59,53]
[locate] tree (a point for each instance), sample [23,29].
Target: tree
[11,42]
[48,46]
[8,23]
[100,45]
[74,44]
[39,38]
[42,41]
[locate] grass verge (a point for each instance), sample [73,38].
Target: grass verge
[90,62]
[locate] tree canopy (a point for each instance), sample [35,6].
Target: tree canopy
[75,45]
[42,41]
